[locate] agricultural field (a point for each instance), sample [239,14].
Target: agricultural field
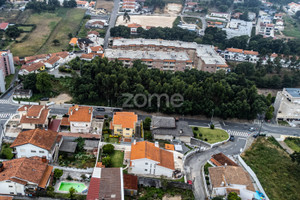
[105,4]
[291,28]
[274,168]
[14,16]
[49,26]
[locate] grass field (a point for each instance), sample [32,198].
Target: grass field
[276,172]
[14,16]
[117,159]
[291,28]
[50,26]
[25,28]
[293,143]
[192,20]
[210,135]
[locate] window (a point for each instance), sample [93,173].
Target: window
[33,151]
[10,186]
[146,170]
[11,193]
[120,130]
[127,129]
[146,163]
[42,151]
[150,165]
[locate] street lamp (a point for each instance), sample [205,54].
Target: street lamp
[212,115]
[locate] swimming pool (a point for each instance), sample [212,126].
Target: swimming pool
[65,186]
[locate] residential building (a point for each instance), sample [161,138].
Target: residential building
[293,7]
[279,25]
[241,55]
[278,16]
[79,120]
[93,34]
[32,68]
[133,27]
[166,128]
[37,142]
[87,57]
[130,184]
[84,43]
[106,183]
[226,179]
[167,54]
[219,16]
[147,158]
[287,105]
[52,62]
[33,116]
[238,27]
[7,67]
[97,24]
[221,160]
[36,58]
[82,4]
[24,176]
[124,123]
[22,94]
[73,42]
[4,26]
[95,49]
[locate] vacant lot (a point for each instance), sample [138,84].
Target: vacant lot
[210,135]
[274,168]
[192,20]
[69,23]
[291,27]
[173,8]
[107,5]
[49,26]
[14,16]
[293,143]
[155,21]
[117,158]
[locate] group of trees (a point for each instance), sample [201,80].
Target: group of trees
[38,83]
[222,5]
[69,4]
[156,3]
[2,2]
[175,33]
[13,32]
[230,95]
[107,150]
[39,6]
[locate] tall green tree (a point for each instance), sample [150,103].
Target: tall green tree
[43,83]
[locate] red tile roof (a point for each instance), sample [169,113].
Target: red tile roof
[93,32]
[220,159]
[235,50]
[35,111]
[93,191]
[6,198]
[52,60]
[32,58]
[33,67]
[62,54]
[3,26]
[134,25]
[251,52]
[80,113]
[40,120]
[37,137]
[149,150]
[54,125]
[87,56]
[130,182]
[125,119]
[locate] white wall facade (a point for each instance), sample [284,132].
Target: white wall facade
[244,193]
[27,126]
[10,187]
[29,150]
[80,127]
[149,167]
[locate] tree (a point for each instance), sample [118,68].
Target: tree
[43,83]
[108,149]
[80,144]
[72,192]
[13,32]
[2,2]
[29,82]
[126,17]
[58,173]
[56,42]
[106,161]
[70,35]
[233,196]
[147,123]
[295,157]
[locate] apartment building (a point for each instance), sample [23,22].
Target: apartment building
[238,27]
[166,54]
[6,67]
[241,55]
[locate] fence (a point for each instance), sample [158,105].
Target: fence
[253,175]
[199,143]
[204,181]
[155,182]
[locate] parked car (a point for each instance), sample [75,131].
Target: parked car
[100,109]
[45,99]
[190,182]
[251,129]
[117,110]
[231,138]
[256,135]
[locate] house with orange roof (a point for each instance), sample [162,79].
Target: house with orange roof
[124,124]
[24,176]
[82,4]
[79,119]
[52,62]
[95,49]
[241,55]
[73,41]
[33,116]
[147,158]
[32,68]
[133,27]
[37,142]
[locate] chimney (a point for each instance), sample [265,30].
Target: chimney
[180,131]
[49,121]
[89,110]
[1,167]
[76,107]
[156,144]
[134,142]
[71,112]
[44,159]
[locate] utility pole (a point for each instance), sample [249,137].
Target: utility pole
[212,116]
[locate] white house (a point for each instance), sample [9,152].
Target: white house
[226,179]
[241,55]
[147,158]
[52,62]
[220,14]
[39,143]
[23,176]
[80,119]
[33,116]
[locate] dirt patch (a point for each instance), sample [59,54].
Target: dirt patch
[155,21]
[265,92]
[107,5]
[173,8]
[167,197]
[60,99]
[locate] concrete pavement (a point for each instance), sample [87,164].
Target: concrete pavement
[112,22]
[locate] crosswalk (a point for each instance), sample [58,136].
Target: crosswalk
[238,133]
[6,115]
[4,101]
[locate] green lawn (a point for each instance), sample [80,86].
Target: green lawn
[25,28]
[293,143]
[8,80]
[283,123]
[291,27]
[117,158]
[110,139]
[210,135]
[274,168]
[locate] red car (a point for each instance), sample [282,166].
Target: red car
[190,182]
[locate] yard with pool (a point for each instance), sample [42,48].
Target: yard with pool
[210,135]
[65,186]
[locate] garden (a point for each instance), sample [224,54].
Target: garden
[210,135]
[111,157]
[80,159]
[293,143]
[6,151]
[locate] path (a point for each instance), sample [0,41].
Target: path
[286,147]
[112,22]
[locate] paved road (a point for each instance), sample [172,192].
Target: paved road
[112,22]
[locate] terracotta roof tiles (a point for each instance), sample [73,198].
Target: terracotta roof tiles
[80,113]
[125,119]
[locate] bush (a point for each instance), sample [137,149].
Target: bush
[205,139]
[212,126]
[108,148]
[106,161]
[58,173]
[69,178]
[196,128]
